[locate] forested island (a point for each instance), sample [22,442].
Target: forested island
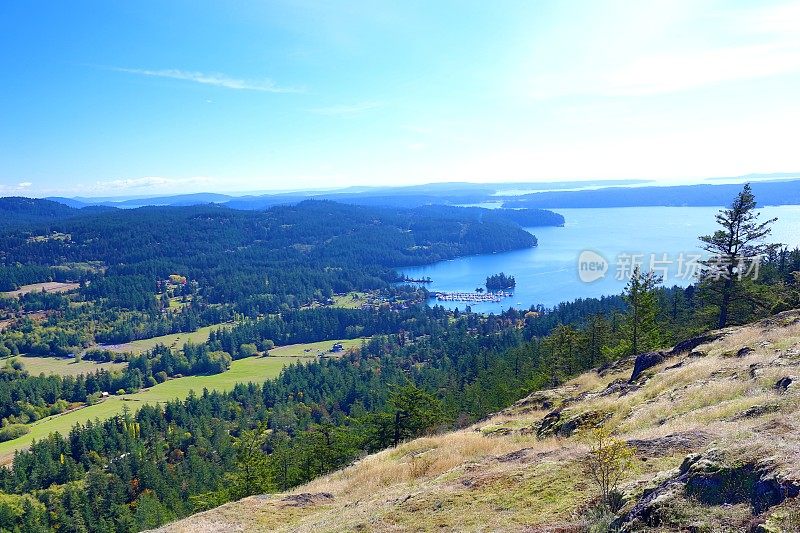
[500,282]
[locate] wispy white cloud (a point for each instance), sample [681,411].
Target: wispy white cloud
[678,72]
[674,72]
[149,182]
[347,109]
[734,46]
[14,189]
[213,78]
[777,19]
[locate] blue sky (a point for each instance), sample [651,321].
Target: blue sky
[155,97]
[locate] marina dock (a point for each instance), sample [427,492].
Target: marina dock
[473,297]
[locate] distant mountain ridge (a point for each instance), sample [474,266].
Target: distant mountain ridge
[767,192]
[400,196]
[771,189]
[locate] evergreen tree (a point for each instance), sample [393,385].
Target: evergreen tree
[642,299]
[413,412]
[251,475]
[736,250]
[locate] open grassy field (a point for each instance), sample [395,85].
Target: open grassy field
[351,300]
[174,340]
[176,302]
[50,286]
[63,366]
[312,348]
[256,369]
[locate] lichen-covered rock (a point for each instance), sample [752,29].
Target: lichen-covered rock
[714,482]
[619,386]
[493,430]
[549,424]
[561,423]
[545,399]
[648,511]
[711,479]
[614,367]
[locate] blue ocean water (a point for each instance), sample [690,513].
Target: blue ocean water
[548,274]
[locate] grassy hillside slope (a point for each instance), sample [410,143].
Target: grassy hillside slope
[715,427]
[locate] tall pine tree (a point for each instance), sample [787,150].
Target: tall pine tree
[735,250]
[640,295]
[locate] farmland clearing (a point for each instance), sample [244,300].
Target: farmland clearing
[63,366]
[49,286]
[173,340]
[252,369]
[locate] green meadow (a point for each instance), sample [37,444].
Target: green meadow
[351,300]
[174,340]
[256,369]
[63,366]
[312,348]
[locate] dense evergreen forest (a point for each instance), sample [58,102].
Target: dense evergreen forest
[26,212]
[231,262]
[419,370]
[290,253]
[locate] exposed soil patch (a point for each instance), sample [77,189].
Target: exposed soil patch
[305,499]
[670,444]
[50,286]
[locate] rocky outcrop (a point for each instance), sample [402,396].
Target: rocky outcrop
[783,384]
[619,386]
[650,359]
[614,367]
[560,423]
[545,399]
[744,352]
[644,361]
[715,481]
[690,344]
[711,479]
[757,410]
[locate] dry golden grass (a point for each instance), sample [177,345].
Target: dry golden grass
[482,479]
[419,459]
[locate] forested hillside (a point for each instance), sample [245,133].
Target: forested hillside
[20,211]
[159,270]
[288,253]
